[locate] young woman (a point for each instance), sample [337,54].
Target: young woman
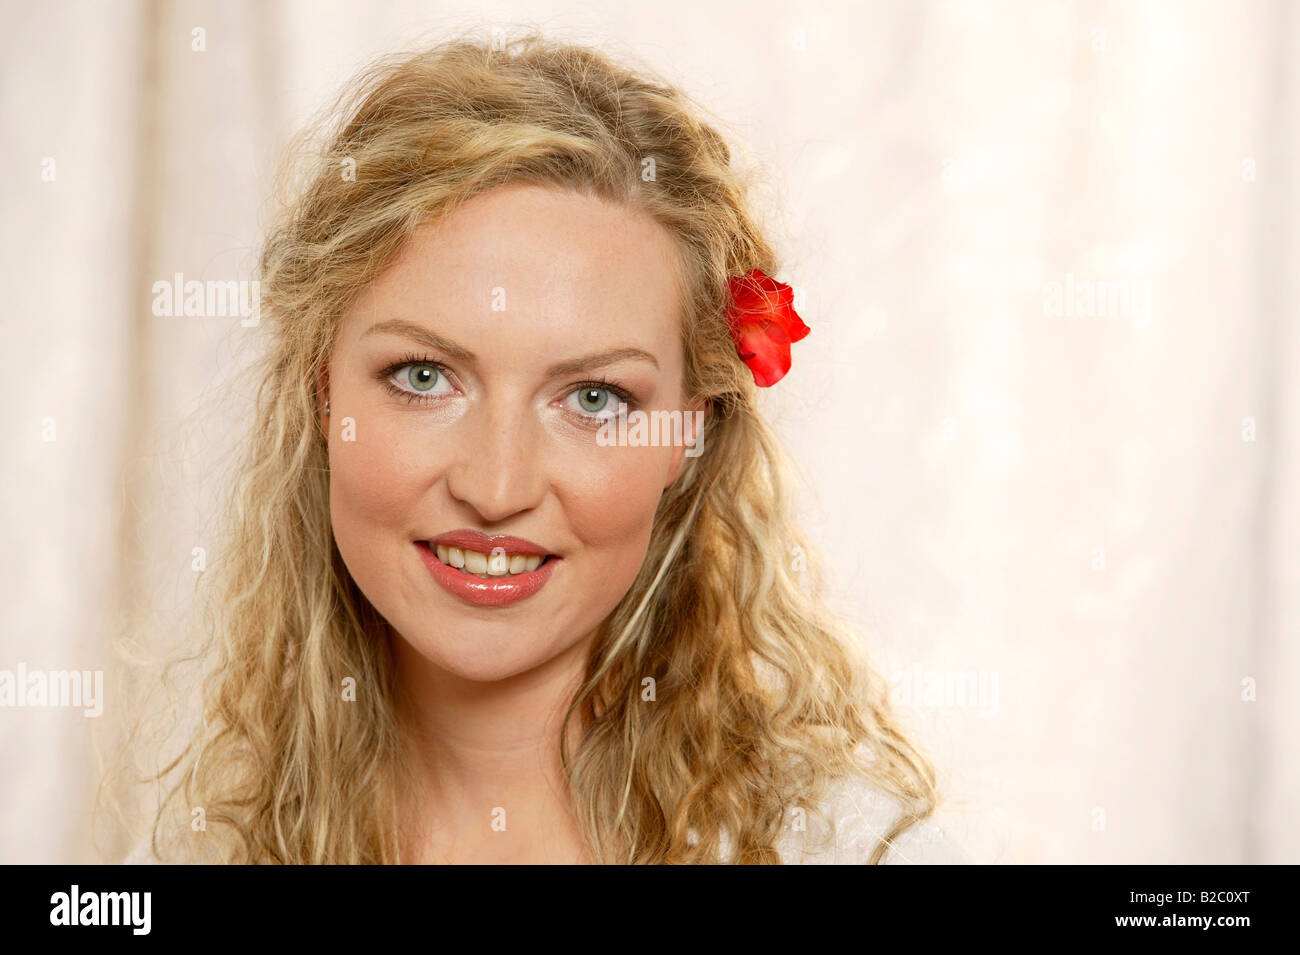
[510,574]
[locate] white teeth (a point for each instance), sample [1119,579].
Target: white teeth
[496,564]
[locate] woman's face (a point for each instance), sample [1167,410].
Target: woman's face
[466,390]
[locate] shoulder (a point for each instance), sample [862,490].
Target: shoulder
[860,814]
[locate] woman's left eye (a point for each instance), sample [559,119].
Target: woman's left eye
[595,401]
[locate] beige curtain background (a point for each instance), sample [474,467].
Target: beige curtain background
[1047,416]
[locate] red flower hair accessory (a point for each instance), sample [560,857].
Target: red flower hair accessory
[763,325]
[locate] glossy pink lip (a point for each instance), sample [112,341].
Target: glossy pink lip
[467,539]
[492,592]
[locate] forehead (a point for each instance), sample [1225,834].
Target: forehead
[523,261]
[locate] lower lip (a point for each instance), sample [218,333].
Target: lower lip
[490,592]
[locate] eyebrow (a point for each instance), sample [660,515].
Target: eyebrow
[572,366]
[599,360]
[420,334]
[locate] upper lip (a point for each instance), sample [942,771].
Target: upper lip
[467,539]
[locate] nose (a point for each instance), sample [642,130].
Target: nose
[498,470]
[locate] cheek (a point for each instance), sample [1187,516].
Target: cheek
[611,501]
[375,490]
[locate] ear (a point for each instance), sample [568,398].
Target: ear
[322,398]
[692,445]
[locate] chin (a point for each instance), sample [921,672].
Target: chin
[480,654]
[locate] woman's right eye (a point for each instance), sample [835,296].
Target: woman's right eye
[420,379]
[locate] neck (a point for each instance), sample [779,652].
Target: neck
[485,778]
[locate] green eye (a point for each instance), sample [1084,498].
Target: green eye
[422,377]
[593,400]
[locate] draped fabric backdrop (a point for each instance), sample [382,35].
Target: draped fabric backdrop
[1046,419]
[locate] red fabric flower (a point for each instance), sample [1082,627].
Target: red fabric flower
[764,325]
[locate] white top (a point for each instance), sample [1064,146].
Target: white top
[142,854]
[861,812]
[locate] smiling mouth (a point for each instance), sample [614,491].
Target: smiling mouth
[487,566]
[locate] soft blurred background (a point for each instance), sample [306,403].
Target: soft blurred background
[1048,414]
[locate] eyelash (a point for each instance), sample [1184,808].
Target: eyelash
[385,376]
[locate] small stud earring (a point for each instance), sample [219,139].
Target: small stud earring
[327,406]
